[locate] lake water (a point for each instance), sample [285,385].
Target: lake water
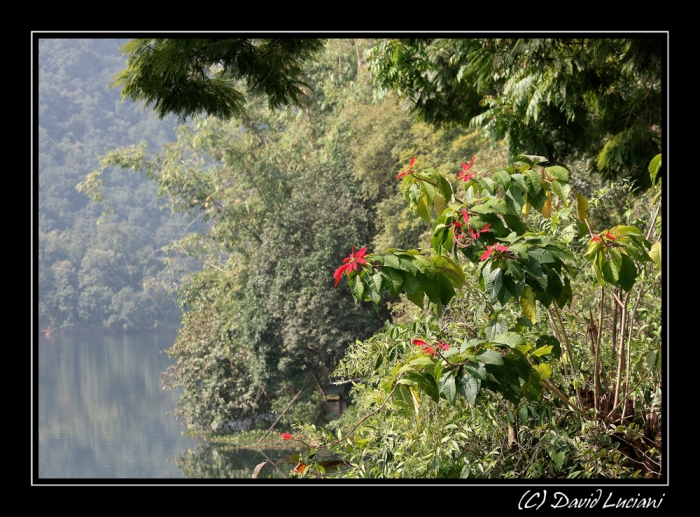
[103,413]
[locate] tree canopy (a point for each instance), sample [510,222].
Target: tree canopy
[562,98]
[596,99]
[191,76]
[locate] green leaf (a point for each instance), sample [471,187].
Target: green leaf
[469,386]
[406,264]
[558,172]
[532,388]
[445,188]
[424,265]
[654,166]
[582,207]
[515,223]
[562,191]
[447,292]
[544,371]
[510,339]
[421,361]
[538,200]
[377,281]
[492,206]
[392,260]
[439,204]
[655,254]
[448,388]
[489,356]
[357,288]
[557,455]
[502,178]
[524,416]
[426,382]
[430,288]
[566,295]
[514,198]
[533,182]
[543,256]
[422,209]
[519,181]
[393,280]
[554,285]
[531,159]
[417,297]
[450,269]
[628,273]
[488,184]
[549,342]
[527,304]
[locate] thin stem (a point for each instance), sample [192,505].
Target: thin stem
[563,397]
[285,410]
[621,361]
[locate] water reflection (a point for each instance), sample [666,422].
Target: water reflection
[102,410]
[103,413]
[216,462]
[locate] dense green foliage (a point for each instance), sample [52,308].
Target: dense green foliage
[532,346]
[190,76]
[518,377]
[282,192]
[109,276]
[598,99]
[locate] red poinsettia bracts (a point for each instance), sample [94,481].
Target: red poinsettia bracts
[428,349]
[409,171]
[607,235]
[460,237]
[493,250]
[464,174]
[351,263]
[476,235]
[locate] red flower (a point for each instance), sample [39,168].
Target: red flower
[595,238]
[610,236]
[430,350]
[464,173]
[493,249]
[286,436]
[409,171]
[476,235]
[351,263]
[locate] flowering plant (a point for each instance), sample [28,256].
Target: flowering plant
[408,171]
[351,263]
[428,349]
[464,174]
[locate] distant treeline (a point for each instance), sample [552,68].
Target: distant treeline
[112,275]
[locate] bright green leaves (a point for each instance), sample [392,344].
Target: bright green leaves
[613,255]
[533,262]
[654,167]
[419,276]
[425,189]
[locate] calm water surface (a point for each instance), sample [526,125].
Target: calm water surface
[103,413]
[102,409]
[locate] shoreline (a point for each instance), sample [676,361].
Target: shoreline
[49,333]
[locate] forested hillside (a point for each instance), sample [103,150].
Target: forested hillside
[111,275]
